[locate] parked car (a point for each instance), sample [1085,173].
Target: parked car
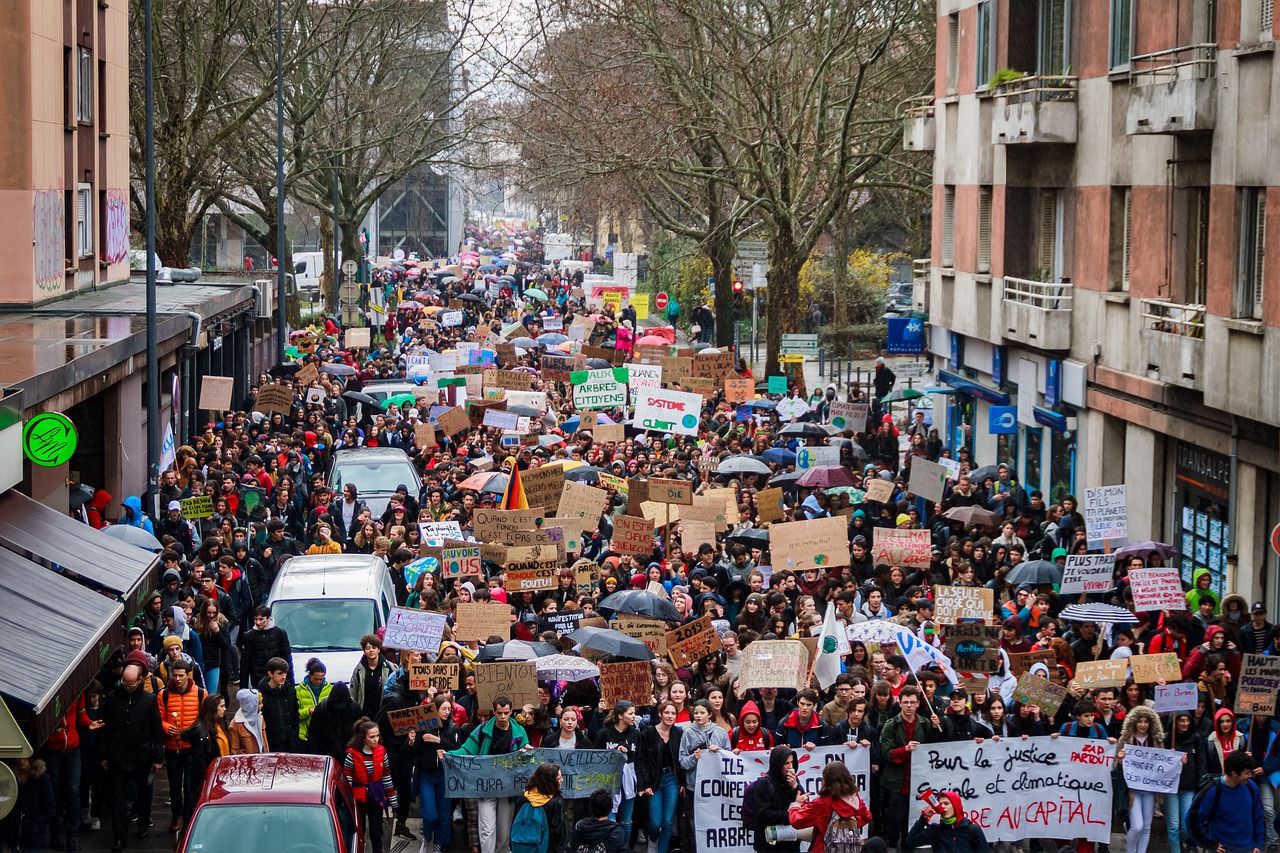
[326,603]
[274,803]
[375,472]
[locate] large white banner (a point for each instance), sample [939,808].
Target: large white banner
[668,411]
[1014,789]
[723,778]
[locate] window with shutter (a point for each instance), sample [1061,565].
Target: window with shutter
[1046,255]
[1125,244]
[949,227]
[953,53]
[1259,249]
[984,229]
[1264,22]
[84,220]
[1250,268]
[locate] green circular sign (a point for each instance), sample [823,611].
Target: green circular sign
[49,439]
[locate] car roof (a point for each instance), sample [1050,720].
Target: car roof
[274,777]
[336,575]
[377,454]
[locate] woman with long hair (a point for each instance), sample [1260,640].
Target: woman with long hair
[995,719]
[429,749]
[369,774]
[1141,728]
[1183,738]
[215,641]
[678,695]
[208,739]
[620,733]
[714,694]
[543,792]
[664,675]
[838,808]
[659,777]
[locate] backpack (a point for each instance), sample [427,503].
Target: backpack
[529,832]
[1191,820]
[843,835]
[749,807]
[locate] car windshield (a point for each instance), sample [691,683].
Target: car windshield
[325,623]
[263,829]
[374,476]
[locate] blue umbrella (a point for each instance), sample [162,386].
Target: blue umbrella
[552,339]
[572,423]
[763,404]
[779,456]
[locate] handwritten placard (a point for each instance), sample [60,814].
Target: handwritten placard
[274,398]
[578,500]
[1148,669]
[651,632]
[774,663]
[819,543]
[415,718]
[1102,673]
[954,604]
[1157,589]
[1259,684]
[1041,692]
[516,680]
[1179,696]
[632,535]
[928,479]
[879,490]
[215,393]
[1020,662]
[671,491]
[419,630]
[627,681]
[1106,514]
[499,524]
[899,547]
[1088,573]
[478,621]
[692,642]
[543,485]
[441,676]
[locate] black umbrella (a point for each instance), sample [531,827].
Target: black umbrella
[514,650]
[526,411]
[1036,572]
[806,429]
[859,455]
[611,642]
[287,369]
[598,363]
[977,475]
[787,478]
[80,494]
[361,398]
[752,537]
[472,297]
[585,474]
[638,602]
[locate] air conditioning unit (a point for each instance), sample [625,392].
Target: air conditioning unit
[266,298]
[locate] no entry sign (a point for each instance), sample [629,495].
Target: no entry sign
[661,300]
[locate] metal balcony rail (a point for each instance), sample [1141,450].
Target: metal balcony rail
[920,267]
[1047,296]
[1196,61]
[1039,88]
[1173,318]
[921,107]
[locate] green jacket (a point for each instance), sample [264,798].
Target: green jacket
[478,743]
[1193,597]
[897,760]
[306,704]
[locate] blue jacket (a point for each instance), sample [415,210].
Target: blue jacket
[135,517]
[1237,821]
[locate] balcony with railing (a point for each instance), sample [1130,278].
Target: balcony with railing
[919,130]
[1173,91]
[1037,313]
[1039,110]
[1173,342]
[921,274]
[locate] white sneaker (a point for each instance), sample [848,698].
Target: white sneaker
[85,818]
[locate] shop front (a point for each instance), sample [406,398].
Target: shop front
[1201,509]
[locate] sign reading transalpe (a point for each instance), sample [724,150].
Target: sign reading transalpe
[469,777]
[1035,788]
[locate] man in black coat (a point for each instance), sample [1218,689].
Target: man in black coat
[134,742]
[279,703]
[259,645]
[770,798]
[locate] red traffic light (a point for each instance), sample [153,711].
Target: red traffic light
[737,287]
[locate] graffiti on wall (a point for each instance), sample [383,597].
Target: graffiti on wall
[117,242]
[49,239]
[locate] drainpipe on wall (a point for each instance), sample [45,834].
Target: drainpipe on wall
[1232,557]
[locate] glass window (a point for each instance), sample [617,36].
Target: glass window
[261,828]
[84,220]
[325,624]
[1033,461]
[1062,465]
[373,477]
[1054,38]
[1253,239]
[986,36]
[84,85]
[1121,33]
[1007,451]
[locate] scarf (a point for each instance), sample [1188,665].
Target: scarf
[248,715]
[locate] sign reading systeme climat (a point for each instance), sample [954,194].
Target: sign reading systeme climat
[668,411]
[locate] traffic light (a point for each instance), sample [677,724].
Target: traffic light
[737,288]
[739,306]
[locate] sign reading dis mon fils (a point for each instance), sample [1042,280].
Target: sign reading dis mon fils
[668,411]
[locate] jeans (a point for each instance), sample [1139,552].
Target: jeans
[897,813]
[1267,794]
[64,772]
[1175,806]
[495,824]
[211,676]
[435,808]
[181,785]
[662,810]
[1142,810]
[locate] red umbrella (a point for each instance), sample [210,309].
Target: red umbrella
[477,482]
[826,477]
[648,340]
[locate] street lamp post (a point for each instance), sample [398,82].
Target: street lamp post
[282,328]
[153,357]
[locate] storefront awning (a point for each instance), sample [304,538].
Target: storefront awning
[974,389]
[55,635]
[1048,417]
[57,541]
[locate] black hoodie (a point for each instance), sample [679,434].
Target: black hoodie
[590,831]
[771,797]
[332,723]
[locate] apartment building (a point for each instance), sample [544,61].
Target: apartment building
[1099,294]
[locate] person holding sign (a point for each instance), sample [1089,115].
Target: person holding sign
[1141,728]
[428,749]
[620,733]
[501,735]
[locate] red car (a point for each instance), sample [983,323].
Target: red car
[274,803]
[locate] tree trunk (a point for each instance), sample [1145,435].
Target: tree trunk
[784,308]
[840,266]
[719,247]
[175,229]
[329,295]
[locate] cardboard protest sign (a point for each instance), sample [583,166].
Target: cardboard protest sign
[1102,673]
[543,485]
[879,490]
[676,368]
[1041,692]
[514,380]
[769,505]
[480,620]
[774,663]
[928,479]
[628,681]
[198,506]
[671,491]
[563,621]
[739,389]
[605,433]
[215,393]
[1106,515]
[692,642]
[308,374]
[954,604]
[415,718]
[609,481]
[419,630]
[516,680]
[441,676]
[632,535]
[274,398]
[1150,769]
[819,543]
[1179,696]
[424,435]
[498,524]
[694,533]
[1148,669]
[1157,589]
[651,632]
[1020,662]
[1258,685]
[1088,573]
[898,547]
[453,421]
[356,338]
[1048,787]
[974,647]
[439,531]
[460,561]
[578,500]
[557,368]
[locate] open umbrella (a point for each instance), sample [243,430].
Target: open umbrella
[1142,549]
[137,536]
[407,304]
[638,602]
[744,464]
[525,650]
[598,363]
[526,342]
[566,668]
[971,515]
[826,477]
[901,395]
[752,537]
[653,340]
[336,368]
[856,496]
[476,482]
[977,475]
[287,369]
[361,398]
[1035,572]
[585,474]
[79,494]
[779,456]
[611,642]
[404,399]
[472,297]
[804,429]
[525,411]
[787,478]
[873,631]
[763,404]
[1106,613]
[855,450]
[552,339]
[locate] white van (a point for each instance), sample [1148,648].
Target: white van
[308,268]
[326,603]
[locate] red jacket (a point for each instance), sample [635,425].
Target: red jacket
[65,737]
[818,813]
[760,740]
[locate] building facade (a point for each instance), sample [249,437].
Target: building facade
[64,147]
[1099,294]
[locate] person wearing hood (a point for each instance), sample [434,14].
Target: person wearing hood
[838,801]
[332,722]
[1216,642]
[278,700]
[750,735]
[176,625]
[1141,728]
[543,792]
[397,696]
[133,515]
[598,831]
[311,692]
[1221,742]
[1183,738]
[96,509]
[1201,581]
[170,588]
[771,797]
[150,620]
[953,833]
[247,734]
